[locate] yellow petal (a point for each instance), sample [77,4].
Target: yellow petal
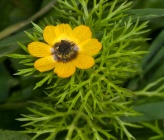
[90,47]
[81,33]
[63,29]
[83,61]
[65,70]
[49,35]
[45,64]
[39,49]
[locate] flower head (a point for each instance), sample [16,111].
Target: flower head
[65,49]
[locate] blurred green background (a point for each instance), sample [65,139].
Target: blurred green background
[15,91]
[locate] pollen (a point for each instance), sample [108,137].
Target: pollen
[64,51]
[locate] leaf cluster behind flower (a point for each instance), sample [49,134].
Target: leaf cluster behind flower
[89,104]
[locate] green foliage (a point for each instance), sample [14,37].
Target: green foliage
[145,14]
[91,99]
[157,92]
[5,78]
[93,103]
[147,113]
[13,135]
[156,128]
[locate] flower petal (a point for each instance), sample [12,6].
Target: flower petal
[49,35]
[54,34]
[83,61]
[39,49]
[81,33]
[65,70]
[45,64]
[90,47]
[63,29]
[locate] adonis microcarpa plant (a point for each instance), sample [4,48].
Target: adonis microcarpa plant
[84,63]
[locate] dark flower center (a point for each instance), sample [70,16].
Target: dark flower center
[64,51]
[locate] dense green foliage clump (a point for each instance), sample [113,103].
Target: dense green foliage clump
[96,103]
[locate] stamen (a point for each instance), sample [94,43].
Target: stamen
[64,51]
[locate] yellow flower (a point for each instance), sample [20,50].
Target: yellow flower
[65,49]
